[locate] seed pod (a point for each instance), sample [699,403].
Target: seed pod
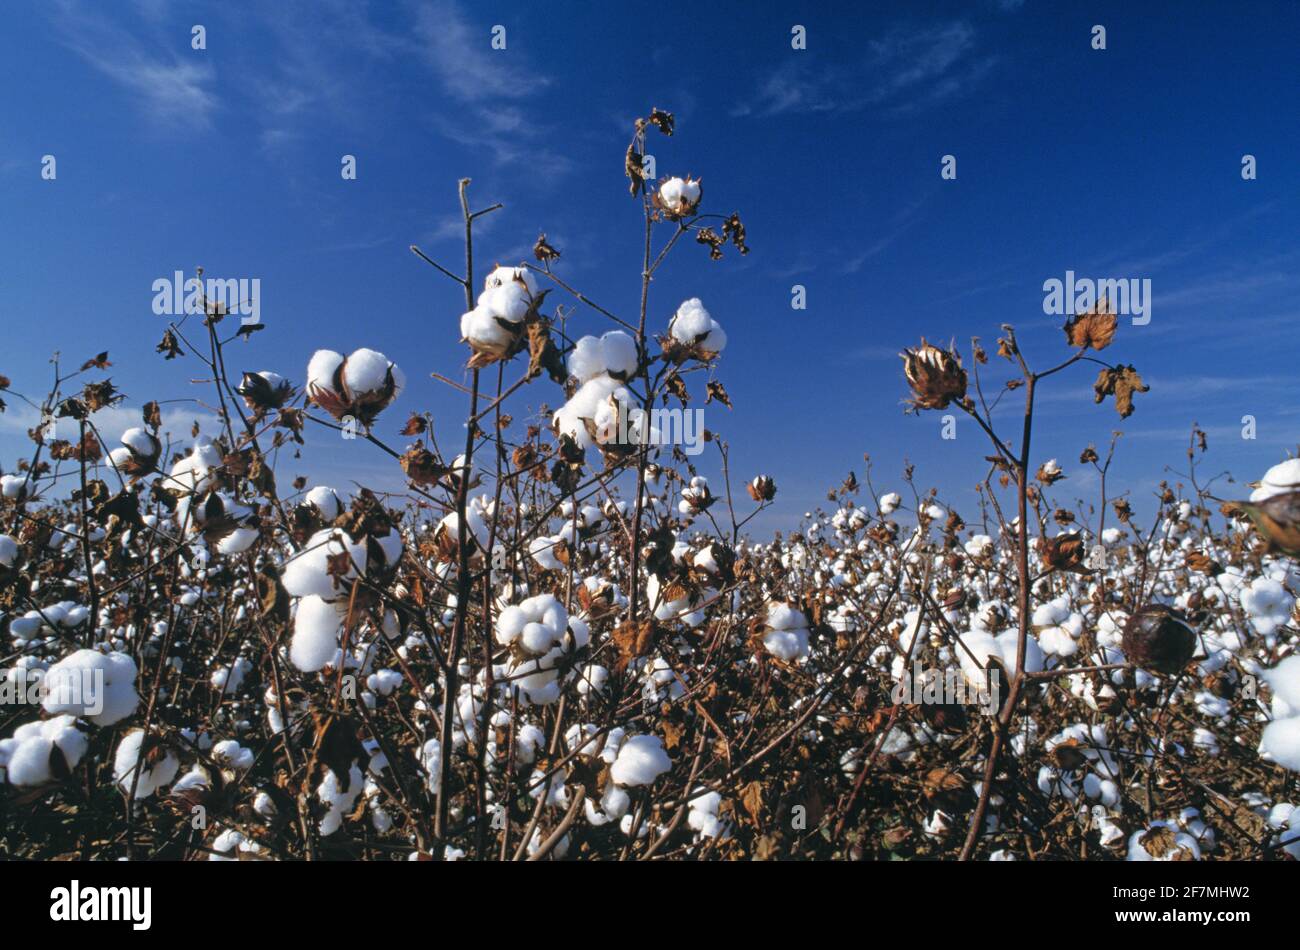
[936,376]
[1276,518]
[1158,638]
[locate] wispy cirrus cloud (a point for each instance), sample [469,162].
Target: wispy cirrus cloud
[168,88]
[487,87]
[907,69]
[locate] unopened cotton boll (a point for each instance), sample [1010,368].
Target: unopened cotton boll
[641,759]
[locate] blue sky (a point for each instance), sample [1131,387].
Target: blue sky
[1119,163]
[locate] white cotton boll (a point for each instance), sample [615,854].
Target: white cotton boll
[641,759]
[317,627]
[619,351]
[237,541]
[26,627]
[431,762]
[1268,603]
[509,302]
[671,191]
[321,369]
[1285,682]
[787,645]
[587,359]
[889,502]
[482,328]
[228,679]
[691,321]
[510,624]
[1281,742]
[542,550]
[383,682]
[152,776]
[140,442]
[326,501]
[528,741]
[537,638]
[96,686]
[340,801]
[1184,846]
[307,572]
[25,758]
[367,372]
[501,276]
[8,551]
[231,754]
[782,616]
[592,679]
[1278,480]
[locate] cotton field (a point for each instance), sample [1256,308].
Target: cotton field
[564,642]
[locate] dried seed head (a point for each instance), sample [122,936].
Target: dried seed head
[936,376]
[1158,638]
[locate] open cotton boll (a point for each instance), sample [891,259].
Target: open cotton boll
[307,572]
[694,327]
[96,686]
[339,800]
[619,353]
[140,442]
[367,372]
[1268,603]
[231,754]
[502,276]
[8,551]
[584,404]
[509,299]
[641,759]
[16,487]
[1285,682]
[326,501]
[25,757]
[703,815]
[1162,841]
[678,197]
[788,637]
[228,679]
[317,629]
[157,770]
[1281,742]
[322,368]
[1278,480]
[481,327]
[587,359]
[889,502]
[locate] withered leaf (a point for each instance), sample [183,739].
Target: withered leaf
[1121,382]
